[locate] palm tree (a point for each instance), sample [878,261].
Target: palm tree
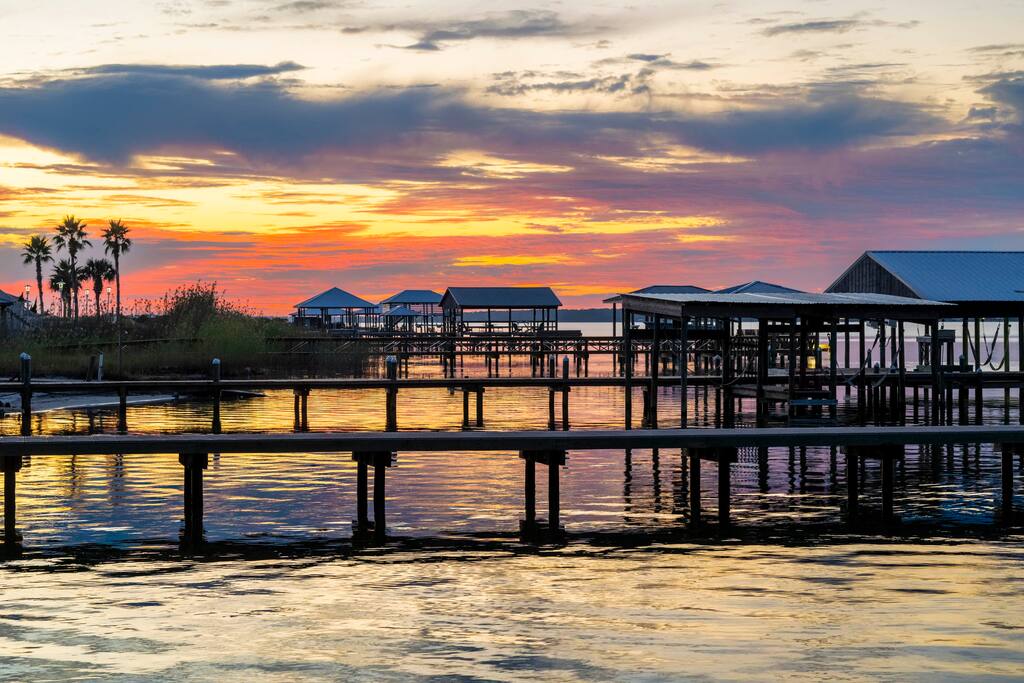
[98,269]
[71,236]
[117,242]
[37,250]
[65,279]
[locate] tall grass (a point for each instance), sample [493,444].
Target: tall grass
[176,335]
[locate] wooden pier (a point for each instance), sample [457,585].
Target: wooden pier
[377,449]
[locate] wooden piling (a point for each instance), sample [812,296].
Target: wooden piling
[565,394]
[888,485]
[122,410]
[26,394]
[1007,477]
[479,407]
[193,464]
[215,376]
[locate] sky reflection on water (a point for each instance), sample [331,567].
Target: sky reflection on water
[103,591]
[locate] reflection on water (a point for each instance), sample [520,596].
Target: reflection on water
[103,590]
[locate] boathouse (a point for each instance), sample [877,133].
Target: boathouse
[788,328]
[500,310]
[336,309]
[979,285]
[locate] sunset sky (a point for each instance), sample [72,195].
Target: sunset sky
[281,147]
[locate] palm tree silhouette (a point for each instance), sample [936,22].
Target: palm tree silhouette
[71,236]
[37,250]
[64,279]
[117,242]
[98,269]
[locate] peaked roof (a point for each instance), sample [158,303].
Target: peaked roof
[7,299]
[335,298]
[953,275]
[401,312]
[414,296]
[757,287]
[502,297]
[660,289]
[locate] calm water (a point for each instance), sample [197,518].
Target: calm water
[103,591]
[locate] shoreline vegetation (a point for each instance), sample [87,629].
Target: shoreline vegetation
[177,335]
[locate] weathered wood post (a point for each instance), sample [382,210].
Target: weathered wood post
[26,394]
[298,418]
[1020,369]
[380,460]
[215,376]
[684,370]
[565,393]
[627,364]
[833,361]
[194,464]
[555,460]
[465,408]
[11,466]
[652,391]
[480,406]
[391,399]
[761,402]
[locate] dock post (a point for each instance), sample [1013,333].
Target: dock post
[391,400]
[122,409]
[215,376]
[554,459]
[684,324]
[298,419]
[652,397]
[480,406]
[465,408]
[305,409]
[26,394]
[565,393]
[194,464]
[627,364]
[694,487]
[11,467]
[381,461]
[852,485]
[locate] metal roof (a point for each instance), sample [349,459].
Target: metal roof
[756,287]
[955,275]
[783,304]
[7,299]
[414,296]
[335,298]
[660,289]
[502,297]
[401,312]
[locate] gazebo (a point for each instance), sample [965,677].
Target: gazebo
[336,309]
[422,304]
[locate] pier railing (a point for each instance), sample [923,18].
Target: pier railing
[377,450]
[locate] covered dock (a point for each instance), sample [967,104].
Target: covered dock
[419,307]
[336,309]
[786,338]
[500,310]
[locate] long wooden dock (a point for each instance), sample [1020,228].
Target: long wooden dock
[377,449]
